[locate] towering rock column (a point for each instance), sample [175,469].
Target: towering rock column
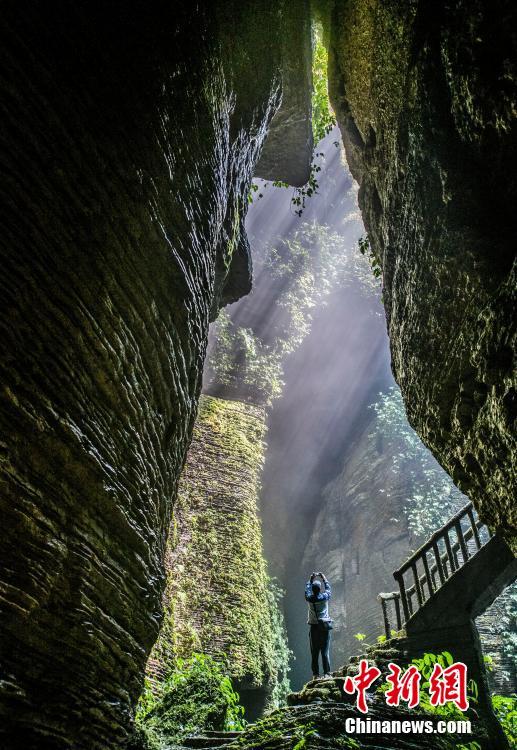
[218,597]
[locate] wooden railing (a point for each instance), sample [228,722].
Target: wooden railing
[432,565]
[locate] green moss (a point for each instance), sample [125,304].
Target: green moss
[323,118]
[196,696]
[376,41]
[219,598]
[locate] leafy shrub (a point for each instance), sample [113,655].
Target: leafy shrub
[426,665]
[506,711]
[323,118]
[505,708]
[196,696]
[366,249]
[449,711]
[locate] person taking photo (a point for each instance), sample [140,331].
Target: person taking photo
[317,596]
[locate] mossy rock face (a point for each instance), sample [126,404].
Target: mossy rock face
[321,725]
[425,95]
[218,597]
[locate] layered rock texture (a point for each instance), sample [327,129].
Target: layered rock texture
[130,134]
[129,138]
[218,597]
[425,97]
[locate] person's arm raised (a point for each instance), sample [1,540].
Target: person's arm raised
[327,585]
[308,587]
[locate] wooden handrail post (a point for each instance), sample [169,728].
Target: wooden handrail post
[474,527]
[403,597]
[396,599]
[439,565]
[461,539]
[450,556]
[418,588]
[385,617]
[430,584]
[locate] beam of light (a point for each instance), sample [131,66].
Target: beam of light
[332,377]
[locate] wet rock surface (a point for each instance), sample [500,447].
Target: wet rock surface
[425,96]
[129,138]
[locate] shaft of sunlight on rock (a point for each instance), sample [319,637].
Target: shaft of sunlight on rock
[347,485]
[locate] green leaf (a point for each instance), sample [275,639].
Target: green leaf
[448,657]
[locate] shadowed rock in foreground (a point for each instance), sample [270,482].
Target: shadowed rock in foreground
[130,134]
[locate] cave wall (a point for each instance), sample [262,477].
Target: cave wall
[218,597]
[129,138]
[425,97]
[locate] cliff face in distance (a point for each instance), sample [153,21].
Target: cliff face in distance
[424,97]
[368,544]
[130,133]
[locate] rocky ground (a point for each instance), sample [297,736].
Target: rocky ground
[316,719]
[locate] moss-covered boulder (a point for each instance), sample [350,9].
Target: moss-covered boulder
[321,725]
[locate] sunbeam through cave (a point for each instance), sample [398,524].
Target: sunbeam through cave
[257,375]
[347,486]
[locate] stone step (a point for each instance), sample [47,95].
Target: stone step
[210,738]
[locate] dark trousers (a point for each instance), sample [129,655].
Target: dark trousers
[319,638]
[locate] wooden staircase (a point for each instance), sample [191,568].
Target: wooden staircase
[458,572]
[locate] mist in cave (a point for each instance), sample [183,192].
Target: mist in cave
[347,486]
